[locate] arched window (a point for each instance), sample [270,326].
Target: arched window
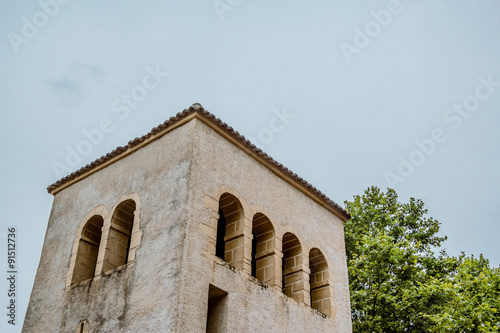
[230,239]
[264,258]
[295,276]
[320,288]
[88,249]
[118,244]
[83,327]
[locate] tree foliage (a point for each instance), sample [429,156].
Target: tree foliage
[399,284]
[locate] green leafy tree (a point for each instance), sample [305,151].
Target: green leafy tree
[398,284]
[473,298]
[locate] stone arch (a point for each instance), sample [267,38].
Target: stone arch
[295,270]
[230,244]
[88,249]
[83,327]
[266,257]
[226,189]
[289,229]
[321,293]
[121,235]
[237,238]
[86,246]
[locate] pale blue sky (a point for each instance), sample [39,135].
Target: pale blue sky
[353,119]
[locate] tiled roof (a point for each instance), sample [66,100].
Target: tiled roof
[198,111]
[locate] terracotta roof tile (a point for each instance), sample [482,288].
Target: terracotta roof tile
[198,109]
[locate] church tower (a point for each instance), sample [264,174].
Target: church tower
[190,228]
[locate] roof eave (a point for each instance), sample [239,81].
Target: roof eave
[196,111]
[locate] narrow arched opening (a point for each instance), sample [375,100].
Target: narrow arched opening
[294,276]
[119,236]
[88,250]
[230,240]
[319,280]
[264,258]
[83,327]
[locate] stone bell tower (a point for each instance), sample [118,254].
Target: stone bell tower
[190,228]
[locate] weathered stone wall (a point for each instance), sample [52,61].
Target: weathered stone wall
[219,167]
[179,180]
[142,297]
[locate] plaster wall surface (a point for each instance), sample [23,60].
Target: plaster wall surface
[219,165]
[141,297]
[166,289]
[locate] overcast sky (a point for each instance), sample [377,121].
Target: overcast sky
[393,94]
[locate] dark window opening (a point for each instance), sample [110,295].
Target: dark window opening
[83,327]
[220,247]
[283,273]
[128,242]
[254,253]
[217,310]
